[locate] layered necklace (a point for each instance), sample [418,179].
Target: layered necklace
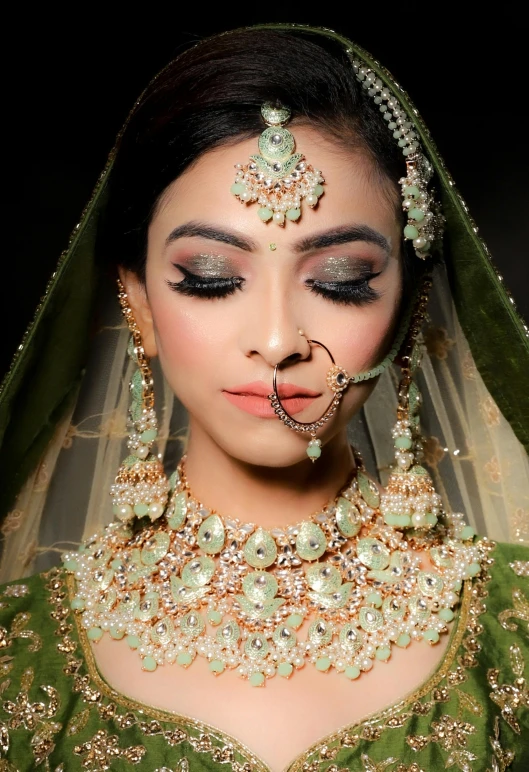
[337,590]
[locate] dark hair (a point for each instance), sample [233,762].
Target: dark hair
[211,95]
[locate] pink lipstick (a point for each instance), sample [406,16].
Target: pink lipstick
[253,398]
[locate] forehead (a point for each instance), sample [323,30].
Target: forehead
[355,192]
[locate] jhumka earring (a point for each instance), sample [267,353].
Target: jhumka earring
[278,178]
[141,487]
[410,500]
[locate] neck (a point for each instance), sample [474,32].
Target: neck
[265,496]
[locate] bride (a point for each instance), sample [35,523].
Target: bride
[317,392]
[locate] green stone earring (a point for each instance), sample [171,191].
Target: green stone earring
[141,487]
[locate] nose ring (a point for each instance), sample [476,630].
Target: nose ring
[337,380]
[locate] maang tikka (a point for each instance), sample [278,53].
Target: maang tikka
[278,179]
[141,487]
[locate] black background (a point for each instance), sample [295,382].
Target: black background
[76,73]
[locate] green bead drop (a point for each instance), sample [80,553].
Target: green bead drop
[285,669]
[403,640]
[352,672]
[237,188]
[313,451]
[95,633]
[293,214]
[432,636]
[411,232]
[184,659]
[323,664]
[217,666]
[294,620]
[446,614]
[257,679]
[214,617]
[265,214]
[383,653]
[133,641]
[77,604]
[149,663]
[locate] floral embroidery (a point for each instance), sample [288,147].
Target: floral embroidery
[16,591]
[433,451]
[520,567]
[489,411]
[102,749]
[12,522]
[519,523]
[182,766]
[502,759]
[43,478]
[437,342]
[493,469]
[520,611]
[34,716]
[510,697]
[469,367]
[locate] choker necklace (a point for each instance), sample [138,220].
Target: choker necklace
[197,584]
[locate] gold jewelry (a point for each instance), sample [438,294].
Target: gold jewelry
[338,379]
[410,500]
[337,385]
[278,179]
[272,247]
[198,584]
[141,487]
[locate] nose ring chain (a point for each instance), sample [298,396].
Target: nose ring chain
[337,380]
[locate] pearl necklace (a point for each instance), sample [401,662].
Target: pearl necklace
[196,584]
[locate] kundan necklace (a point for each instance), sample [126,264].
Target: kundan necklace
[198,584]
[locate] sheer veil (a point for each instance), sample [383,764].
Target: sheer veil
[63,419]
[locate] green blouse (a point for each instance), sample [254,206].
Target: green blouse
[58,714]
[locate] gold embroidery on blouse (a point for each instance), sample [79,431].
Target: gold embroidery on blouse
[510,697]
[501,759]
[5,766]
[520,611]
[181,766]
[520,567]
[207,740]
[395,716]
[34,716]
[78,722]
[16,591]
[102,749]
[370,729]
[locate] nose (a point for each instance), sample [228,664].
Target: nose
[273,330]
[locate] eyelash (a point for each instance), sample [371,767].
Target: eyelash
[198,286]
[357,292]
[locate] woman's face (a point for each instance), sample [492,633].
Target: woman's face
[226,297]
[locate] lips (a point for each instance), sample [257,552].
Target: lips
[253,398]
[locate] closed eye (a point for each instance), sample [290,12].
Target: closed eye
[354,292]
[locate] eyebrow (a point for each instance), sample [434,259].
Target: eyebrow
[343,235]
[194,228]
